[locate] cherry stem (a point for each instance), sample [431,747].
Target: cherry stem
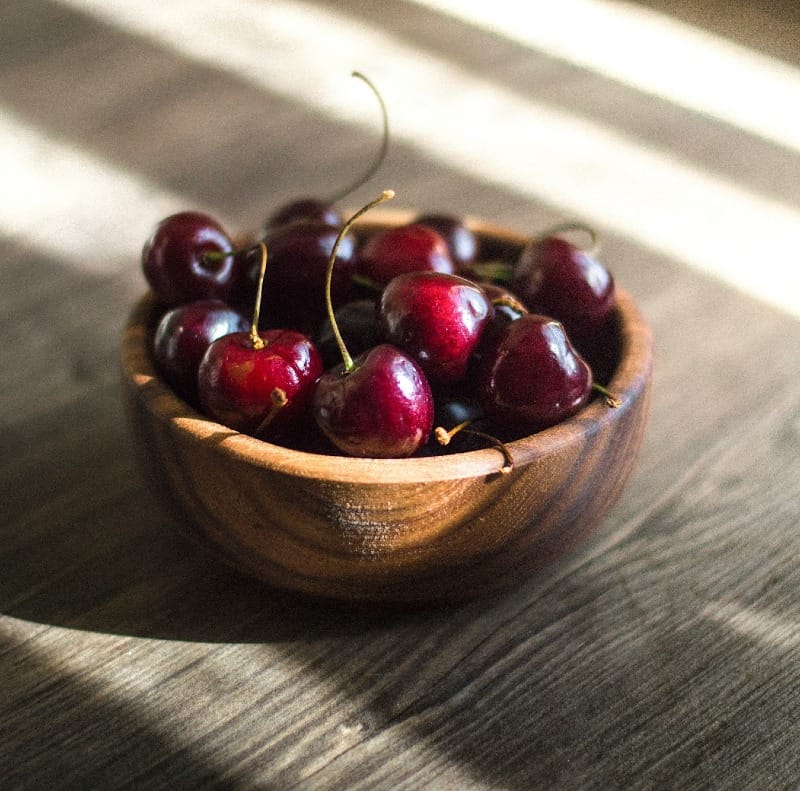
[381,155]
[348,360]
[211,256]
[568,227]
[367,282]
[498,271]
[279,401]
[507,301]
[255,338]
[611,400]
[443,437]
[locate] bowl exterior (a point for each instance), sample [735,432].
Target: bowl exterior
[426,530]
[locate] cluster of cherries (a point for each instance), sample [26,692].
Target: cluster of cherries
[383,344]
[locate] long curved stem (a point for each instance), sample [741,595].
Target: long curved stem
[444,437]
[348,360]
[566,227]
[379,157]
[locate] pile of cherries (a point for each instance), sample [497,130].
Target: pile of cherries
[383,344]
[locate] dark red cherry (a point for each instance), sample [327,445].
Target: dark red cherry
[534,378]
[437,318]
[294,286]
[241,383]
[381,408]
[462,243]
[182,336]
[176,263]
[307,209]
[406,248]
[554,277]
[357,321]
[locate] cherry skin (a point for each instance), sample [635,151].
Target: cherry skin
[381,408]
[554,277]
[437,318]
[294,285]
[406,248]
[177,267]
[308,209]
[238,382]
[182,336]
[535,377]
[462,243]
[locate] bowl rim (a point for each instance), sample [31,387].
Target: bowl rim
[628,382]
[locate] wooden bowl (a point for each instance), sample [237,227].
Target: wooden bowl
[431,529]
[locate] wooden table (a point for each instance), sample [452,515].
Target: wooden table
[664,653]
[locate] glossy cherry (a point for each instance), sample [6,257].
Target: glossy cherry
[462,243]
[557,278]
[402,249]
[382,407]
[189,256]
[182,336]
[259,382]
[259,390]
[436,318]
[379,404]
[534,378]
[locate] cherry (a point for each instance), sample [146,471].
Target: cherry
[437,318]
[462,243]
[557,278]
[380,403]
[260,390]
[405,248]
[534,378]
[299,254]
[259,382]
[189,256]
[309,209]
[382,407]
[182,336]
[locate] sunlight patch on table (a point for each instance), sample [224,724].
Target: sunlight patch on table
[305,52]
[80,209]
[652,53]
[757,624]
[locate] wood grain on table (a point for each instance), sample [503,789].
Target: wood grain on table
[663,653]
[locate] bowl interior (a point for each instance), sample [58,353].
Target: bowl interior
[630,369]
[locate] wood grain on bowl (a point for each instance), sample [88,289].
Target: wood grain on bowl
[395,530]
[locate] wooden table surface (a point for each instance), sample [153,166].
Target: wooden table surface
[663,653]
